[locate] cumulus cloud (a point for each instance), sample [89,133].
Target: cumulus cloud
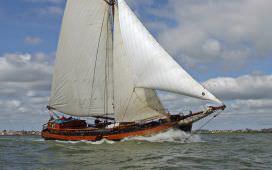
[244,87]
[224,33]
[256,105]
[24,88]
[23,68]
[49,1]
[32,40]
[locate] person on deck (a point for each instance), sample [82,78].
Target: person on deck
[51,118]
[97,122]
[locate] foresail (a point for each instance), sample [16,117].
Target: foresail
[153,67]
[130,104]
[80,79]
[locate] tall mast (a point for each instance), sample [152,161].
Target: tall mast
[111,3]
[109,78]
[112,7]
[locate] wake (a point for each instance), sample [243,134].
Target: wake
[172,135]
[103,141]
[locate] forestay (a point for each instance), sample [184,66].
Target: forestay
[153,67]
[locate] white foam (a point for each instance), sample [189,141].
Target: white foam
[171,135]
[38,140]
[100,142]
[103,141]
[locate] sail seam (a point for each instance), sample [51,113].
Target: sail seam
[98,46]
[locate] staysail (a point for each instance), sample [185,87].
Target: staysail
[130,104]
[81,78]
[154,68]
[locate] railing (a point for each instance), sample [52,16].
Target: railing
[45,126]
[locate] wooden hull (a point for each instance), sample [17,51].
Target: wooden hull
[109,134]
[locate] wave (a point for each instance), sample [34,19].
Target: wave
[38,140]
[103,141]
[172,135]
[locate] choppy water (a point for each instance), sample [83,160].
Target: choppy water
[170,150]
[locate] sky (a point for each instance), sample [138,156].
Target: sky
[224,44]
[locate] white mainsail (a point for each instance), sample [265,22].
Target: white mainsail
[154,68]
[79,76]
[98,71]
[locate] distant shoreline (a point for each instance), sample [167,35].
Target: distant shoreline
[232,131]
[19,133]
[38,133]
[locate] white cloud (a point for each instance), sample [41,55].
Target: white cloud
[226,33]
[32,40]
[51,10]
[255,105]
[23,68]
[51,7]
[212,48]
[243,87]
[24,88]
[50,1]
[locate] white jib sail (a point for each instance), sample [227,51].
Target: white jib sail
[130,104]
[79,76]
[153,67]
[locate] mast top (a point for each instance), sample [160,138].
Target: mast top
[110,2]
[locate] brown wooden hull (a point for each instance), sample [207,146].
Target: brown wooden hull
[71,135]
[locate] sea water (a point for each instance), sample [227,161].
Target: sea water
[169,150]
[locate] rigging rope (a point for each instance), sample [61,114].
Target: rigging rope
[112,55]
[206,123]
[128,104]
[101,30]
[203,125]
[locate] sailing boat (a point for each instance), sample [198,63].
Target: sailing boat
[108,67]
